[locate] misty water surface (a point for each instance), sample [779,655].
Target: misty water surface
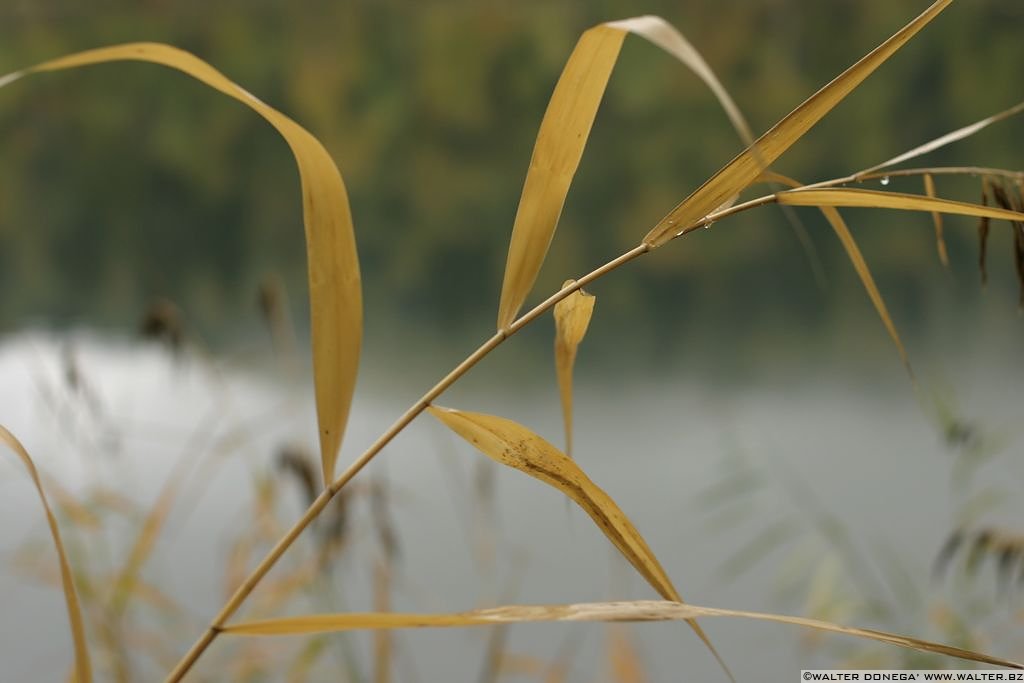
[831,455]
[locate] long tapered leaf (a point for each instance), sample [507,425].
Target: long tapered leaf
[335,291]
[513,445]
[876,199]
[83,667]
[563,136]
[637,610]
[663,34]
[572,317]
[948,138]
[940,241]
[745,168]
[859,264]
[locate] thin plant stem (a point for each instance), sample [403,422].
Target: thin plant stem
[325,497]
[317,506]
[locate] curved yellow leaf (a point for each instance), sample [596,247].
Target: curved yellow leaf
[635,610]
[334,283]
[745,168]
[83,668]
[857,259]
[940,241]
[664,35]
[563,136]
[572,317]
[876,199]
[513,445]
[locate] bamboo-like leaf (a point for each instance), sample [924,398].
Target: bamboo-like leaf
[572,316]
[948,138]
[637,610]
[563,136]
[335,291]
[875,199]
[664,35]
[83,668]
[859,264]
[745,168]
[940,241]
[513,445]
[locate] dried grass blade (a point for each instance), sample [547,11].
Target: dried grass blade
[515,446]
[745,168]
[638,610]
[572,316]
[947,139]
[940,241]
[859,264]
[563,136]
[664,35]
[335,290]
[874,199]
[556,156]
[83,667]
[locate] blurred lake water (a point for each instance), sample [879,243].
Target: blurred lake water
[816,494]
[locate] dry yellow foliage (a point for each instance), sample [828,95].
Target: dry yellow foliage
[335,290]
[572,317]
[83,668]
[738,174]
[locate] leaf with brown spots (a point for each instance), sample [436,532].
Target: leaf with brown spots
[515,446]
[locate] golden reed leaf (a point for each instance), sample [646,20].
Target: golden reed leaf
[857,259]
[745,168]
[83,668]
[876,199]
[636,610]
[335,290]
[572,317]
[563,136]
[515,446]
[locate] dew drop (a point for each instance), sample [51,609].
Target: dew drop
[884,180]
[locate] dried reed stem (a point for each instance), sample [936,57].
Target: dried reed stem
[317,506]
[250,583]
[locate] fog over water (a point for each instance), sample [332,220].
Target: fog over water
[809,494]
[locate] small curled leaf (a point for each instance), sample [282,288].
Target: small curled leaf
[572,317]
